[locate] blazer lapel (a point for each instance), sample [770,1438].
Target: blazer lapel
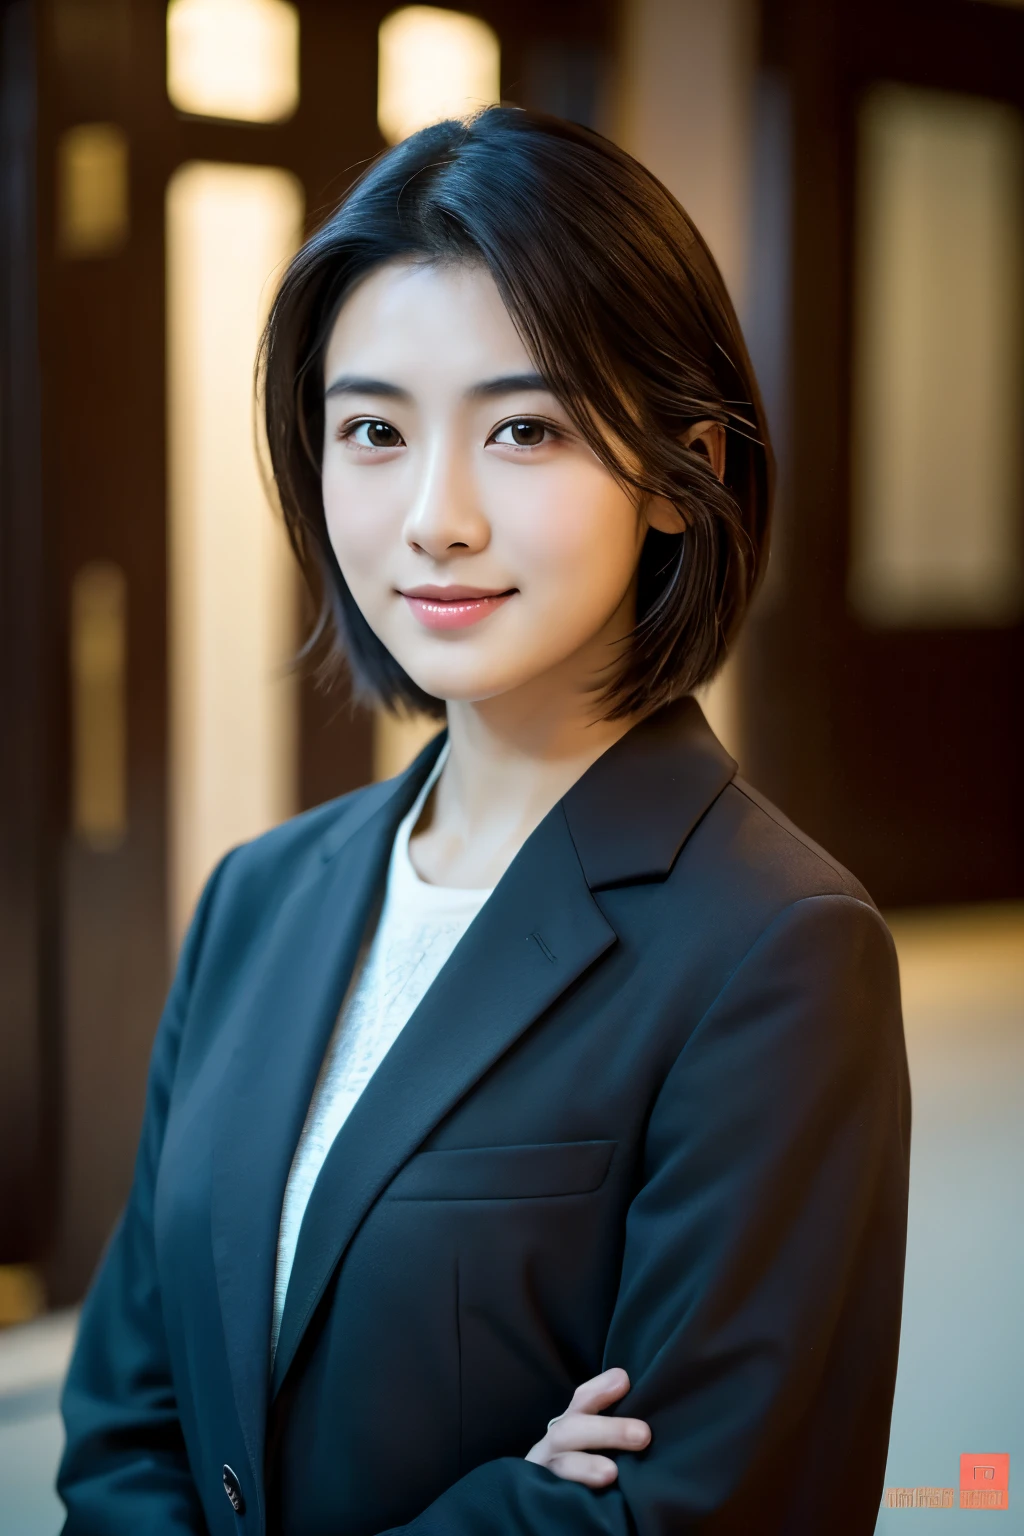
[625,820]
[631,813]
[287,1016]
[539,930]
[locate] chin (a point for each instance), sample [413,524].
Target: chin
[465,685]
[461,692]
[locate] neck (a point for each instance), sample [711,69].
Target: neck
[512,758]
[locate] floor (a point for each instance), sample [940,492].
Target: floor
[961,1378]
[33,1360]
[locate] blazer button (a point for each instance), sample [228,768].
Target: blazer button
[233,1489]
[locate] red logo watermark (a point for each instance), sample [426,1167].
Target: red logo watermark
[984,1484]
[984,1481]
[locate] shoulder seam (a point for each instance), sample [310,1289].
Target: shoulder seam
[805,842]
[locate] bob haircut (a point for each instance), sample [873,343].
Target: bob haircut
[626,316]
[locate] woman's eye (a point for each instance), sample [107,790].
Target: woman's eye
[523,434]
[374,434]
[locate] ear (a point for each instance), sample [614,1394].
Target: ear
[707,437]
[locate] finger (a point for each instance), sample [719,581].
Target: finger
[600,1391]
[576,1467]
[592,1432]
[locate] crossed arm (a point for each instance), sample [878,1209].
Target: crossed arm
[759,1305]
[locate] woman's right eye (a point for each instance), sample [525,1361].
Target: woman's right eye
[372,434]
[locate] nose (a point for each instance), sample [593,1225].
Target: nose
[446,518]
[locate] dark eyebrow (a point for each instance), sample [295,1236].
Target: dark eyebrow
[510,384]
[353,384]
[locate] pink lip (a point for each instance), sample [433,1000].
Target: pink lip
[453,607]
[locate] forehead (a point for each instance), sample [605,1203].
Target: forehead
[410,318]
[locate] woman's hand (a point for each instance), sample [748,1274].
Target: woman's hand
[580,1430]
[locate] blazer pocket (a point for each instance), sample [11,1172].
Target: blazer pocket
[505,1173]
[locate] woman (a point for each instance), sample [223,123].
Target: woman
[562,1061]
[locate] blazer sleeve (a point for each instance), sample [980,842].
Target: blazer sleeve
[124,1468]
[759,1307]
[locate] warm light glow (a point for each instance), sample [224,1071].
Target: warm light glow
[92,190]
[433,64]
[234,748]
[937,464]
[99,735]
[233,58]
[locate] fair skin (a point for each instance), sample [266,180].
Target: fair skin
[495,556]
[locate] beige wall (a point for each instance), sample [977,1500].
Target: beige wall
[685,108]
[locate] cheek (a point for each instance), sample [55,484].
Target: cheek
[576,539]
[358,512]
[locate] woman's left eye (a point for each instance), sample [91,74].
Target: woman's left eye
[523,434]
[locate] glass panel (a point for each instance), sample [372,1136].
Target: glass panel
[235,59]
[99,736]
[433,64]
[92,190]
[232,584]
[937,525]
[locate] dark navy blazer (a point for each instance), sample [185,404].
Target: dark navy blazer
[653,1113]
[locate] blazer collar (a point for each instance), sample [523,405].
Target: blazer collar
[632,811]
[393,797]
[625,820]
[532,938]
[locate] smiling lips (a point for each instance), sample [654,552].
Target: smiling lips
[453,607]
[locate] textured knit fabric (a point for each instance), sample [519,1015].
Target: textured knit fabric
[418,928]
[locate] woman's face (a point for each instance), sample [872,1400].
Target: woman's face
[483,540]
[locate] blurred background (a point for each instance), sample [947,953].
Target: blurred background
[858,170]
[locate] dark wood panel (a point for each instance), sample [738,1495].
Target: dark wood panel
[899,750]
[102,350]
[103,496]
[29,992]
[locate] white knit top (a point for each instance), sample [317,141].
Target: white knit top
[418,927]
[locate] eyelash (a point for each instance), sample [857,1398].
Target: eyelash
[347,432]
[555,433]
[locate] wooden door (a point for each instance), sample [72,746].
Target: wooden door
[30,788]
[891,736]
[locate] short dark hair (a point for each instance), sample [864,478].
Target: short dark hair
[626,316]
